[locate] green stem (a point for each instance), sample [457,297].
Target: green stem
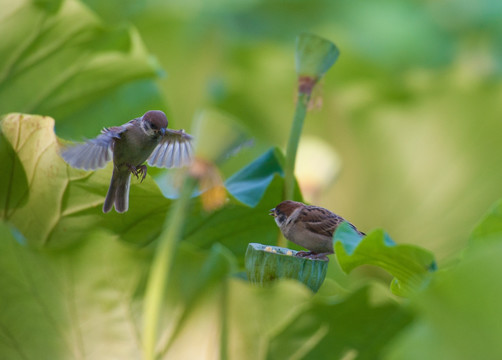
[294,139]
[161,267]
[224,320]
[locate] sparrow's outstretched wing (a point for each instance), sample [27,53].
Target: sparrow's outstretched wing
[174,150]
[94,153]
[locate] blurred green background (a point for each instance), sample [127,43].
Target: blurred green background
[411,109]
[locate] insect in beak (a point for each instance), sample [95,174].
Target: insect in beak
[272,212]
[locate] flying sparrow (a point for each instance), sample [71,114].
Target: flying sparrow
[309,226]
[142,139]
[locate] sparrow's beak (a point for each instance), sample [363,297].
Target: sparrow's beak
[163,131]
[272,212]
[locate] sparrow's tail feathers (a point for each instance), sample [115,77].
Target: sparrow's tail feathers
[122,194]
[118,192]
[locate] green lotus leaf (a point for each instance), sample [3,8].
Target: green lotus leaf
[410,265]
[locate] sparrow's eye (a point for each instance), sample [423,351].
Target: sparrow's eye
[153,127]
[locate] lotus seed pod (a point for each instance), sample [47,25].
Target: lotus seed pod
[265,263]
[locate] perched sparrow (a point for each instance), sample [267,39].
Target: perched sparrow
[309,226]
[142,139]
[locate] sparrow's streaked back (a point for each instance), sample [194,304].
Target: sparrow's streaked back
[142,139]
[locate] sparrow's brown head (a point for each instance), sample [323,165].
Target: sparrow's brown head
[283,210]
[156,120]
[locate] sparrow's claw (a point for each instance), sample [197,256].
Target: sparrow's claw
[133,170]
[321,256]
[304,253]
[138,171]
[142,170]
[312,255]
